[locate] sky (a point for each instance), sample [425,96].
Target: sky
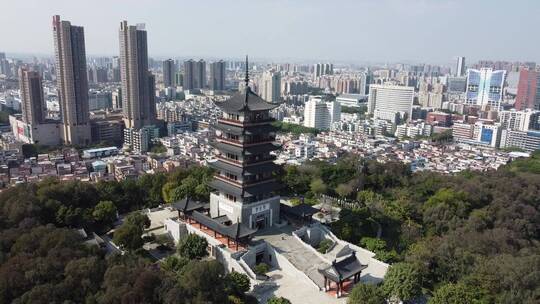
[430,31]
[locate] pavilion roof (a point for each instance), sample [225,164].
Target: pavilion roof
[235,231]
[343,269]
[187,205]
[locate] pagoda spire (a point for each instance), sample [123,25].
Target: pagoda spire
[247,83]
[247,72]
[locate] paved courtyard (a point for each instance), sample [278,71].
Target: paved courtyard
[297,291]
[294,285]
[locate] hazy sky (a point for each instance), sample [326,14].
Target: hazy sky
[340,30]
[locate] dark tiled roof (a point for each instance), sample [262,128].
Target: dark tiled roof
[188,205]
[248,170]
[300,210]
[262,129]
[262,148]
[221,165]
[226,187]
[226,147]
[261,188]
[252,190]
[234,231]
[266,167]
[237,103]
[343,269]
[248,150]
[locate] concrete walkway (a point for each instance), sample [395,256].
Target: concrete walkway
[295,252]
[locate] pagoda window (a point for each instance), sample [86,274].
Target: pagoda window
[232,136]
[232,156]
[231,176]
[232,116]
[230,197]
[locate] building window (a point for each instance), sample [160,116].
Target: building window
[232,156]
[230,197]
[232,116]
[232,136]
[231,176]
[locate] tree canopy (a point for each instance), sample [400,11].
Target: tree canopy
[43,259]
[366,294]
[192,247]
[467,229]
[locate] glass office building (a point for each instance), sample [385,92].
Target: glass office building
[485,87]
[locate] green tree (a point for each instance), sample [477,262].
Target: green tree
[105,212]
[174,264]
[445,210]
[192,247]
[238,283]
[204,281]
[297,181]
[278,300]
[284,127]
[129,235]
[378,246]
[402,282]
[366,294]
[138,219]
[167,192]
[344,190]
[186,189]
[151,186]
[451,293]
[261,268]
[318,186]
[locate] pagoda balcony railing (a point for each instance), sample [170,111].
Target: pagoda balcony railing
[238,143]
[242,183]
[245,123]
[245,163]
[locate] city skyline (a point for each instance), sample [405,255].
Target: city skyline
[425,30]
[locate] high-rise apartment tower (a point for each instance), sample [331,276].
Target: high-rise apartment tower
[72,81]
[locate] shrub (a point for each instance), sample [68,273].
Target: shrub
[261,269]
[192,247]
[324,245]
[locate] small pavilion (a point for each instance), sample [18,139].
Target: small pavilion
[341,271]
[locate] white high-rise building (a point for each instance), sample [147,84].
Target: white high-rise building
[320,114]
[528,141]
[388,101]
[519,120]
[271,86]
[460,66]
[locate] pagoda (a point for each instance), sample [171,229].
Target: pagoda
[244,184]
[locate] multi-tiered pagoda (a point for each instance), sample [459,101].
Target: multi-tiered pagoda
[244,183]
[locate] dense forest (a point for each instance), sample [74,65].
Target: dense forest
[44,260]
[465,238]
